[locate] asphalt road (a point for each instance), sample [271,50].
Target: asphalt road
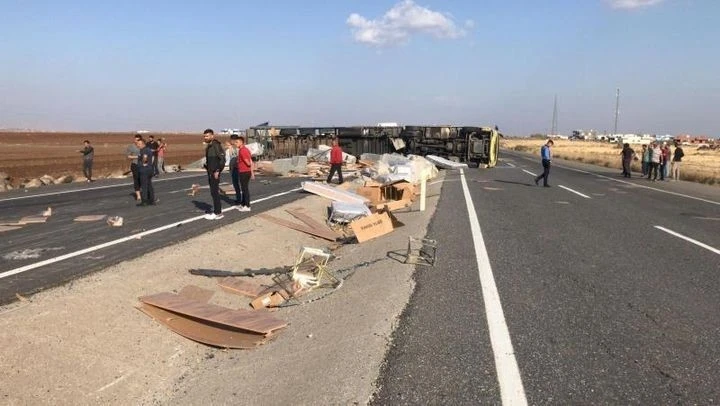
[601,306]
[39,256]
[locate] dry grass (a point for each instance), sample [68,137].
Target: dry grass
[702,166]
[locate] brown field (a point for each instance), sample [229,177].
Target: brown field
[702,166]
[32,155]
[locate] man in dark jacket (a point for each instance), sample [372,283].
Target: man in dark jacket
[677,161]
[88,155]
[627,154]
[146,172]
[214,164]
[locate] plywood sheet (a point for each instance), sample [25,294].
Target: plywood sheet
[332,193]
[311,222]
[241,287]
[206,333]
[8,228]
[326,234]
[32,219]
[241,319]
[90,217]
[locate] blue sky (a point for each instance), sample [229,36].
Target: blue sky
[171,65]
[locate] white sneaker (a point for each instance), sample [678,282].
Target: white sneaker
[210,216]
[243,208]
[219,216]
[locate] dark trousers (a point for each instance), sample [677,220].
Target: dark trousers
[546,173]
[136,177]
[236,184]
[156,172]
[244,178]
[147,193]
[87,169]
[215,192]
[653,171]
[645,166]
[662,171]
[627,171]
[335,168]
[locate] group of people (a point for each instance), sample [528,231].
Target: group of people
[660,160]
[237,157]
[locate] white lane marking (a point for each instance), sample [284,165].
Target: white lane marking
[510,164]
[528,172]
[574,191]
[91,188]
[629,183]
[511,387]
[686,238]
[125,239]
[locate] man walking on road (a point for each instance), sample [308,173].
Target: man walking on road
[245,173]
[214,164]
[88,155]
[546,156]
[336,161]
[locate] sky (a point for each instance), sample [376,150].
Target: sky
[166,65]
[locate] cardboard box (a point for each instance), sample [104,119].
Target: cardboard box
[372,226]
[272,299]
[394,205]
[376,194]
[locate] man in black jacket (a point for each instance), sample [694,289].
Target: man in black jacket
[214,164]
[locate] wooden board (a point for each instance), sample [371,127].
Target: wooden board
[196,293]
[325,234]
[372,226]
[32,219]
[205,333]
[241,287]
[311,222]
[90,217]
[241,319]
[9,228]
[393,205]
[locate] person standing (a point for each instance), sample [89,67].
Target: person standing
[162,146]
[664,161]
[655,159]
[154,146]
[245,172]
[645,160]
[231,161]
[676,161]
[214,164]
[627,157]
[133,152]
[546,157]
[88,155]
[146,171]
[336,161]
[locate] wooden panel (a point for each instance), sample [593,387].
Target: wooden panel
[196,293]
[32,219]
[8,228]
[242,319]
[241,287]
[311,222]
[325,234]
[210,334]
[90,217]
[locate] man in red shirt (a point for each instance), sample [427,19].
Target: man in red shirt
[336,161]
[245,173]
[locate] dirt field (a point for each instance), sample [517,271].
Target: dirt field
[702,166]
[31,155]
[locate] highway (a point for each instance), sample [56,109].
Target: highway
[597,290]
[39,256]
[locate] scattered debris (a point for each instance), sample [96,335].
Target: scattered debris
[90,217]
[322,232]
[194,189]
[248,272]
[6,227]
[47,213]
[32,220]
[241,287]
[344,213]
[29,253]
[445,163]
[21,298]
[372,226]
[310,269]
[115,221]
[333,193]
[421,251]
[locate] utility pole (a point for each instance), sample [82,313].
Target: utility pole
[617,108]
[554,119]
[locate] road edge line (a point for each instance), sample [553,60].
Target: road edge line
[688,239]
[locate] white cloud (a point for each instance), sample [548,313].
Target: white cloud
[633,4]
[403,20]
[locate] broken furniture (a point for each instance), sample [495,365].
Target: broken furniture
[421,251]
[310,269]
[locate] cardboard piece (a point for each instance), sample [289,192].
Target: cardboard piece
[8,228]
[90,217]
[240,319]
[210,334]
[270,299]
[241,287]
[32,219]
[332,193]
[372,226]
[394,205]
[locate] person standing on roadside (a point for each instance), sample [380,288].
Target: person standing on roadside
[546,158]
[655,159]
[132,152]
[214,164]
[231,161]
[627,157]
[665,161]
[245,173]
[146,171]
[153,145]
[336,161]
[162,146]
[676,161]
[88,155]
[645,160]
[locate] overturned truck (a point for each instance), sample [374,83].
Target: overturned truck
[476,146]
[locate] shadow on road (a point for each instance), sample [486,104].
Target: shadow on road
[514,183]
[206,207]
